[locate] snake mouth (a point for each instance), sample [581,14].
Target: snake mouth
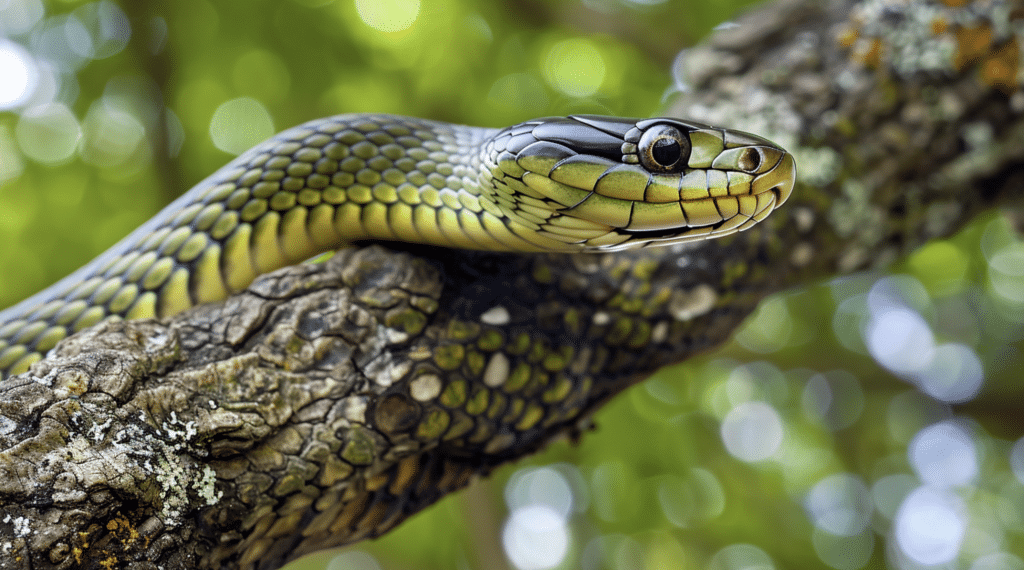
[609,222]
[780,180]
[704,219]
[649,235]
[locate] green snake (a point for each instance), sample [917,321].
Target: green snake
[559,184]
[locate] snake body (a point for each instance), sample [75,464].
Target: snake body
[562,184]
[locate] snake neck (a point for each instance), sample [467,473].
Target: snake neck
[308,190]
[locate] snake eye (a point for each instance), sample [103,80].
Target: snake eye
[663,148]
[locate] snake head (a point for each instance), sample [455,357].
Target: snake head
[614,183]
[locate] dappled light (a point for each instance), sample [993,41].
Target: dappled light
[20,75]
[49,133]
[752,431]
[930,526]
[840,504]
[239,124]
[388,15]
[575,67]
[535,537]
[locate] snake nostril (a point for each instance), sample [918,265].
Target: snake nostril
[749,160]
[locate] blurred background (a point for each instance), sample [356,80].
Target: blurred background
[869,422]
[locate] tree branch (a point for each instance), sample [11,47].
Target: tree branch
[330,401]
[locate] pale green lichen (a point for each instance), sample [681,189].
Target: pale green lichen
[175,471]
[206,486]
[853,213]
[819,166]
[687,305]
[906,28]
[915,37]
[360,449]
[173,477]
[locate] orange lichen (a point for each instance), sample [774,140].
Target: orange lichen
[80,549]
[872,55]
[972,45]
[847,36]
[939,26]
[999,68]
[956,3]
[125,531]
[997,64]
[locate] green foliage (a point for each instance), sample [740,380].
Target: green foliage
[790,448]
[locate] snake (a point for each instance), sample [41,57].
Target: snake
[577,183]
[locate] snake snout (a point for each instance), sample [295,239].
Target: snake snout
[779,180]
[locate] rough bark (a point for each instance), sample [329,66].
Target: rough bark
[330,401]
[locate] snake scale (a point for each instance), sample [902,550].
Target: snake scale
[559,184]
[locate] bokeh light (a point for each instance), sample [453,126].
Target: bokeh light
[998,561]
[353,560]
[1006,273]
[575,67]
[889,491]
[107,28]
[741,557]
[930,526]
[240,124]
[848,323]
[944,455]
[613,551]
[19,16]
[18,75]
[752,431]
[1017,460]
[953,374]
[836,399]
[388,16]
[840,504]
[541,502]
[900,339]
[686,501]
[535,537]
[49,133]
[112,136]
[944,264]
[843,552]
[769,330]
[263,75]
[543,486]
[607,503]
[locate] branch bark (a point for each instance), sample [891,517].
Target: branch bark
[330,401]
